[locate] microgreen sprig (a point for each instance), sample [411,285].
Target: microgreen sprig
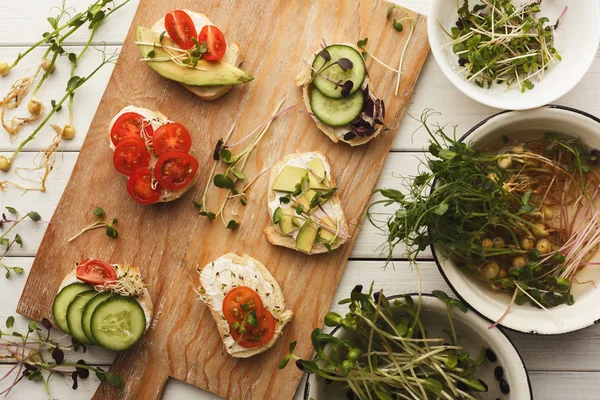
[7,242]
[111,231]
[30,350]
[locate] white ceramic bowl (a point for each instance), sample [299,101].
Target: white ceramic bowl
[473,333]
[492,304]
[577,39]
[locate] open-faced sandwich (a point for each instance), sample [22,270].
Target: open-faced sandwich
[246,302]
[103,304]
[339,96]
[154,153]
[186,47]
[305,207]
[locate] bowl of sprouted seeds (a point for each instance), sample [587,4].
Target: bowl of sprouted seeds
[411,346]
[514,54]
[512,213]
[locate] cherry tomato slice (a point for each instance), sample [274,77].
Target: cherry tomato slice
[215,42]
[175,169]
[140,188]
[255,335]
[95,272]
[171,136]
[128,125]
[130,155]
[181,28]
[239,301]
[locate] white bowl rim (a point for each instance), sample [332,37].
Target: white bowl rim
[437,259]
[459,82]
[306,395]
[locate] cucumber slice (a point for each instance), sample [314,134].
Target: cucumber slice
[86,317]
[118,323]
[62,301]
[336,112]
[74,312]
[356,74]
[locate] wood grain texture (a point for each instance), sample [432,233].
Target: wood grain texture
[168,241]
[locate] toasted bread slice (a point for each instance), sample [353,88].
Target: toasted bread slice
[166,195]
[232,56]
[276,237]
[281,315]
[303,80]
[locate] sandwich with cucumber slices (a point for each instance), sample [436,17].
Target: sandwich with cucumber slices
[154,153]
[304,205]
[246,303]
[103,304]
[186,47]
[339,95]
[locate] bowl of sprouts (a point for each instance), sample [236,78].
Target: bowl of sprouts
[512,213]
[412,346]
[514,54]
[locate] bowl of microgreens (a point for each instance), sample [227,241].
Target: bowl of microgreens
[512,213]
[514,54]
[411,347]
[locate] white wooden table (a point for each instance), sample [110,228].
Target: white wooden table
[561,367]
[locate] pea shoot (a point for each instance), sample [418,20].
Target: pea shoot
[7,242]
[111,231]
[500,42]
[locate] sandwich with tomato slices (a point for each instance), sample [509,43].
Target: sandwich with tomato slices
[186,47]
[103,304]
[246,303]
[154,153]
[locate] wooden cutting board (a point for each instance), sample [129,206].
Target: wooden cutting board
[168,241]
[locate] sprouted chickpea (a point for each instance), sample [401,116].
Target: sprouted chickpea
[548,213]
[518,149]
[34,107]
[544,246]
[68,132]
[48,66]
[519,262]
[503,273]
[526,243]
[4,68]
[505,162]
[4,164]
[487,243]
[540,230]
[490,270]
[498,242]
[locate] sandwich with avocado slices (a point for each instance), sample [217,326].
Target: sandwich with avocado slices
[304,205]
[186,47]
[246,303]
[103,304]
[339,95]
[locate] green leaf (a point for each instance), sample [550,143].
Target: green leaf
[398,26]
[111,232]
[32,326]
[441,295]
[151,54]
[209,214]
[277,215]
[18,240]
[433,385]
[307,366]
[238,174]
[99,212]
[362,43]
[346,367]
[72,58]
[18,270]
[392,194]
[4,241]
[223,181]
[232,224]
[74,83]
[196,204]
[53,22]
[11,210]
[292,346]
[114,379]
[34,216]
[299,209]
[446,154]
[333,319]
[225,155]
[389,11]
[10,321]
[458,304]
[441,209]
[283,363]
[252,319]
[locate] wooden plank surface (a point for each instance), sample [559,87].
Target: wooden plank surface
[169,241]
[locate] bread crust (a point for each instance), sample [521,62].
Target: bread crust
[170,195]
[275,236]
[302,80]
[232,56]
[280,322]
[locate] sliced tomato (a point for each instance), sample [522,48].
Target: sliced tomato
[130,155]
[95,272]
[181,28]
[239,301]
[140,188]
[175,169]
[171,136]
[129,125]
[255,335]
[215,42]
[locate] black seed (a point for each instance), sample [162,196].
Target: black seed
[491,356]
[504,388]
[349,136]
[462,386]
[58,356]
[74,377]
[498,373]
[462,62]
[46,323]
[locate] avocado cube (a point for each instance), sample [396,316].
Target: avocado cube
[316,175]
[306,198]
[324,233]
[306,237]
[288,178]
[287,223]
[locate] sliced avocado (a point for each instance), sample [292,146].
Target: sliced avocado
[324,233]
[216,72]
[287,223]
[306,198]
[317,182]
[289,177]
[306,237]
